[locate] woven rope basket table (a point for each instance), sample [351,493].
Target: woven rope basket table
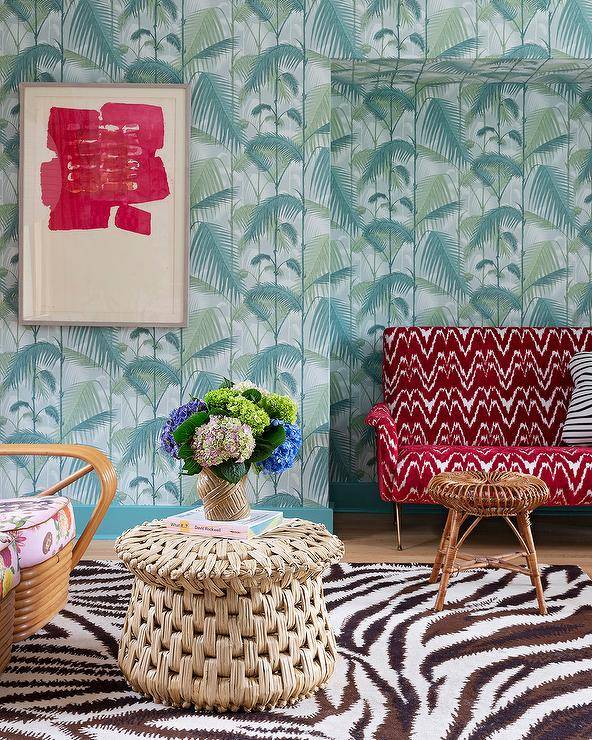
[223,624]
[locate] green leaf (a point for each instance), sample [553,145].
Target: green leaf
[334,29]
[340,328]
[264,297]
[321,175]
[268,62]
[574,29]
[267,213]
[382,158]
[492,294]
[443,130]
[252,394]
[24,66]
[462,49]
[142,369]
[185,451]
[550,197]
[185,431]
[93,33]
[266,363]
[380,292]
[24,362]
[230,471]
[214,110]
[99,344]
[491,222]
[153,71]
[491,166]
[264,150]
[441,259]
[547,312]
[489,95]
[446,29]
[143,440]
[271,438]
[191,467]
[383,234]
[212,258]
[527,51]
[343,201]
[385,102]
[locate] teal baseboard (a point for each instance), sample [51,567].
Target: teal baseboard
[364,498]
[120,518]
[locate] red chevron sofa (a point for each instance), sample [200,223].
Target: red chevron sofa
[478,398]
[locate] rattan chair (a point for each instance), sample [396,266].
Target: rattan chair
[43,588]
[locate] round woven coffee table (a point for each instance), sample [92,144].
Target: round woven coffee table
[223,624]
[482,495]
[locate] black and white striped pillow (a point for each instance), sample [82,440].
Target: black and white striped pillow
[577,429]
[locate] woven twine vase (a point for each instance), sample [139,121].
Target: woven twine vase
[222,501]
[498,493]
[225,625]
[6,627]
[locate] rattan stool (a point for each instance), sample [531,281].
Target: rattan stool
[226,624]
[482,495]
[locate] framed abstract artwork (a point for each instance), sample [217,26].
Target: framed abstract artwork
[104,204]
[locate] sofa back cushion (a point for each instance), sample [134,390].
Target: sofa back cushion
[480,385]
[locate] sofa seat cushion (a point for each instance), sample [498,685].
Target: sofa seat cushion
[566,470]
[41,526]
[10,573]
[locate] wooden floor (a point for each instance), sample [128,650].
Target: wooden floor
[369,538]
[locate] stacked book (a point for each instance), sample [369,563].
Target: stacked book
[194,522]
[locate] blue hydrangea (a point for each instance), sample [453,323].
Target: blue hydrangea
[282,458]
[175,419]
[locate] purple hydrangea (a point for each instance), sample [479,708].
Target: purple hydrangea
[282,458]
[174,420]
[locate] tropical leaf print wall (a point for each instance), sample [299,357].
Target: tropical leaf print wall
[274,296]
[463,196]
[260,247]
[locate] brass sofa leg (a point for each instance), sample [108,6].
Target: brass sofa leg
[397,522]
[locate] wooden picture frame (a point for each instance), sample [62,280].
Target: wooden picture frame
[104,204]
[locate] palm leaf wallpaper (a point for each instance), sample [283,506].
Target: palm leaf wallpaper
[451,183]
[260,249]
[468,202]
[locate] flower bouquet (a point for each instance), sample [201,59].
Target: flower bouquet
[219,438]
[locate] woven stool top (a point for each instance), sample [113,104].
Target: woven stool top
[499,493]
[296,549]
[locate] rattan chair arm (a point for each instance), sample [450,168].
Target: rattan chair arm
[95,460]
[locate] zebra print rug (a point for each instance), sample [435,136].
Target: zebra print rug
[487,667]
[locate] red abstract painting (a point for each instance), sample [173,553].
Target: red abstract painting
[104,159]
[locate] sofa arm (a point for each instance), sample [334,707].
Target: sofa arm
[386,449]
[380,418]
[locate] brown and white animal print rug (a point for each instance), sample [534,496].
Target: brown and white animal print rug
[487,667]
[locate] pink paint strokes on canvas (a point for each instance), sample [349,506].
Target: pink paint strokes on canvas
[105,158]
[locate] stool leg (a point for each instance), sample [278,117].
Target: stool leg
[523,521]
[451,551]
[441,550]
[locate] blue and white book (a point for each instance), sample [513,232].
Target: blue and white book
[194,522]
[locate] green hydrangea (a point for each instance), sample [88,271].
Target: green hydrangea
[249,413]
[279,407]
[232,403]
[220,398]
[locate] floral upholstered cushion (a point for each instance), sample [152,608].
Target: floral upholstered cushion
[41,526]
[10,573]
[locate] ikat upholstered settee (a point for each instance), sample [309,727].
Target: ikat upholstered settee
[478,398]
